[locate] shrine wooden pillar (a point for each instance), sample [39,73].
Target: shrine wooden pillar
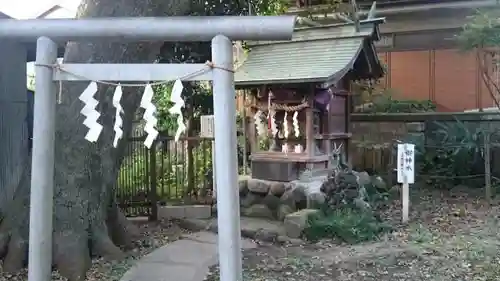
[327,142]
[348,112]
[309,123]
[250,125]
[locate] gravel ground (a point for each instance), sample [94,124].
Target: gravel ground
[453,236]
[154,235]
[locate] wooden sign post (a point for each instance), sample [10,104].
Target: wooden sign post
[406,175]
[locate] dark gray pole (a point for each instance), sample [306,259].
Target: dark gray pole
[42,178]
[226,172]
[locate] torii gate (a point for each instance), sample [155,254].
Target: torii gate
[220,30]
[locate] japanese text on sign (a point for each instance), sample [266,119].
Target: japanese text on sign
[406,163]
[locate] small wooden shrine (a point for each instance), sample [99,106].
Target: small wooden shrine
[300,98]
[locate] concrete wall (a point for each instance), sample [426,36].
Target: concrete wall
[13,116]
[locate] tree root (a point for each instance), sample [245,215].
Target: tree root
[72,247]
[103,246]
[16,256]
[4,244]
[71,254]
[121,231]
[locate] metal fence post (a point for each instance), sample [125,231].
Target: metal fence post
[228,210]
[214,179]
[487,164]
[42,178]
[153,192]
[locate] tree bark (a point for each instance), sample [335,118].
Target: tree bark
[87,220]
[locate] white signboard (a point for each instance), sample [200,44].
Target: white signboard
[207,126]
[406,163]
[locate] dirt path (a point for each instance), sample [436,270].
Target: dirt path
[154,235]
[453,236]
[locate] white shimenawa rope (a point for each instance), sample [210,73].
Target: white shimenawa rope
[92,115]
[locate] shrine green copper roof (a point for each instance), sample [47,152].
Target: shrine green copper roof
[316,54]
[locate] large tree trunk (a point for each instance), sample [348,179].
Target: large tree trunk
[87,220]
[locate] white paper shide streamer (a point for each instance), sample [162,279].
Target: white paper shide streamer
[117,96]
[149,116]
[286,130]
[274,125]
[176,98]
[92,115]
[295,124]
[259,125]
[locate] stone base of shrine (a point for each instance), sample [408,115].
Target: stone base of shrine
[277,199]
[277,166]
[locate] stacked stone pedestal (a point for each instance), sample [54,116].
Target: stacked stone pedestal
[274,200]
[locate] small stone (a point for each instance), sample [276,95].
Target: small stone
[277,188]
[350,194]
[315,200]
[266,235]
[248,233]
[379,183]
[242,185]
[193,224]
[295,223]
[288,199]
[300,195]
[258,186]
[295,241]
[249,200]
[283,211]
[259,211]
[395,189]
[282,239]
[362,205]
[271,201]
[293,196]
[363,178]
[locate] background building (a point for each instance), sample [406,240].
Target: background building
[421,54]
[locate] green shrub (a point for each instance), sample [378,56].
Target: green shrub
[346,224]
[451,154]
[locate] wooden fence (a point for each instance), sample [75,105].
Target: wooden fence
[442,140]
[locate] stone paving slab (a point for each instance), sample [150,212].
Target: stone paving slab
[187,259]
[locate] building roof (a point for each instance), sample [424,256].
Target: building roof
[317,54]
[55,11]
[4,16]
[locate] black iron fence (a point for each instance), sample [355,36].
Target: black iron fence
[170,172]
